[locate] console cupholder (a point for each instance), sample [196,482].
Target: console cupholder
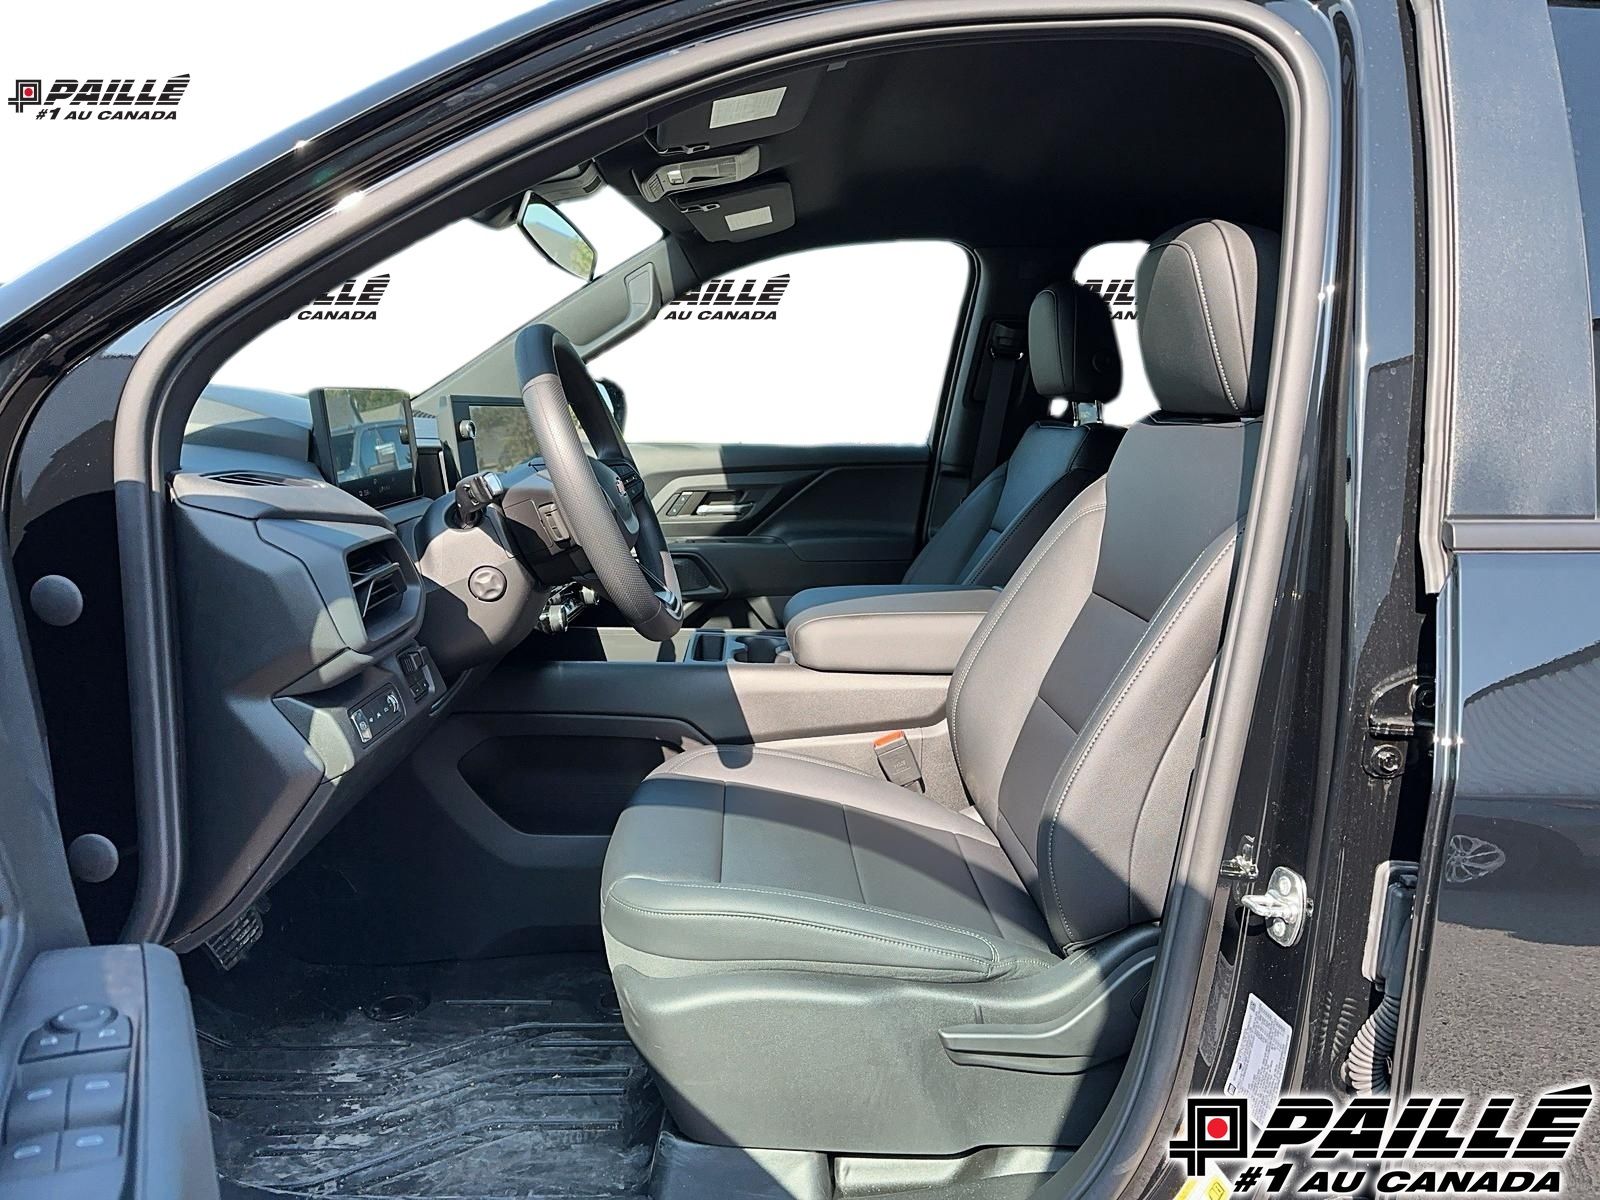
[759,648]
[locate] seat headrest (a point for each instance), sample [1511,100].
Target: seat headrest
[1072,347]
[1207,293]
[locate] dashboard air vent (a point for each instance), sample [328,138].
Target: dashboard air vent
[258,479]
[376,581]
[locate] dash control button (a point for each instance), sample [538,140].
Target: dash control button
[116,1036]
[48,1043]
[82,1016]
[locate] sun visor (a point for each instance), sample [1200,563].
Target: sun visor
[738,216]
[759,110]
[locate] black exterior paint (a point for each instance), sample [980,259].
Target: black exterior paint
[1510,962]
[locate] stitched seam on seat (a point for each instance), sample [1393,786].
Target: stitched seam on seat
[850,845]
[722,831]
[977,888]
[866,908]
[992,478]
[1205,309]
[889,941]
[1011,593]
[1011,530]
[1246,339]
[1050,844]
[670,767]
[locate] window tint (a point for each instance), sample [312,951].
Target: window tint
[845,344]
[1577,32]
[1108,268]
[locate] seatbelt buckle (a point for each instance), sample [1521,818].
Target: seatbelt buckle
[895,758]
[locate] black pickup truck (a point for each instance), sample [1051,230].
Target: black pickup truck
[1071,668]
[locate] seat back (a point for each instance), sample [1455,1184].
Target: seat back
[1077,709]
[1072,353]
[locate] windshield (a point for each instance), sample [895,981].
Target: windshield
[412,319]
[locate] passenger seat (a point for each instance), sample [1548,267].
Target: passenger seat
[1072,353]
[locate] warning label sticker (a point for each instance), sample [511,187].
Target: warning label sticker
[1259,1060]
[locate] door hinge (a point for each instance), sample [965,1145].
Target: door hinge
[1285,905]
[1400,710]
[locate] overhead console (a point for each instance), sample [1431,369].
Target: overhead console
[757,110]
[712,170]
[303,679]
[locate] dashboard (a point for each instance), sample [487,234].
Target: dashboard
[322,636]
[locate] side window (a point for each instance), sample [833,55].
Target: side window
[1577,32]
[844,344]
[1108,268]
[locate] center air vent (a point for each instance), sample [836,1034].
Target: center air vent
[259,479]
[376,581]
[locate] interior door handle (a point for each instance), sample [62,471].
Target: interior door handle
[721,508]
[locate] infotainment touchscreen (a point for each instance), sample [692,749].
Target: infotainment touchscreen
[362,441]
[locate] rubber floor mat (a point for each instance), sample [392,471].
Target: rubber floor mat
[509,1077]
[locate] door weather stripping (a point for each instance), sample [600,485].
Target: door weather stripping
[1285,906]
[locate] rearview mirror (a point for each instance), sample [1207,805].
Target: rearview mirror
[556,238]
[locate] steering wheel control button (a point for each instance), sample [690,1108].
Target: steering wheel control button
[96,1099]
[36,1109]
[80,1147]
[48,1043]
[36,1156]
[487,584]
[82,1016]
[116,1036]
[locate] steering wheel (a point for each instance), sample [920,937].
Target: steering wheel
[601,496]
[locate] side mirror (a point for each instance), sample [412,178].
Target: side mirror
[615,401]
[556,238]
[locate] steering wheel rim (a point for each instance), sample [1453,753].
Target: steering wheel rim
[556,383]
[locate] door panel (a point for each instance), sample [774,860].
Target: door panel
[754,524]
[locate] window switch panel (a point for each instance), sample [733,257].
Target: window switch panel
[36,1109]
[97,1099]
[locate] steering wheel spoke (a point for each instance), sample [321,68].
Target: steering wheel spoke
[603,498]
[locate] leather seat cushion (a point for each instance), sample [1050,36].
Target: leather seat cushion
[737,858]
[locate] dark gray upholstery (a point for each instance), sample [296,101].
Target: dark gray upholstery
[762,857]
[1072,344]
[1208,291]
[1072,352]
[899,633]
[1076,714]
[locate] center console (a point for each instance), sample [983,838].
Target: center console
[737,645]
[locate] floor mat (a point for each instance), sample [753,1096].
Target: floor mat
[509,1077]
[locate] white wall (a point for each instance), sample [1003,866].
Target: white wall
[254,71]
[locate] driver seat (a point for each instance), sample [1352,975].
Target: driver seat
[813,958]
